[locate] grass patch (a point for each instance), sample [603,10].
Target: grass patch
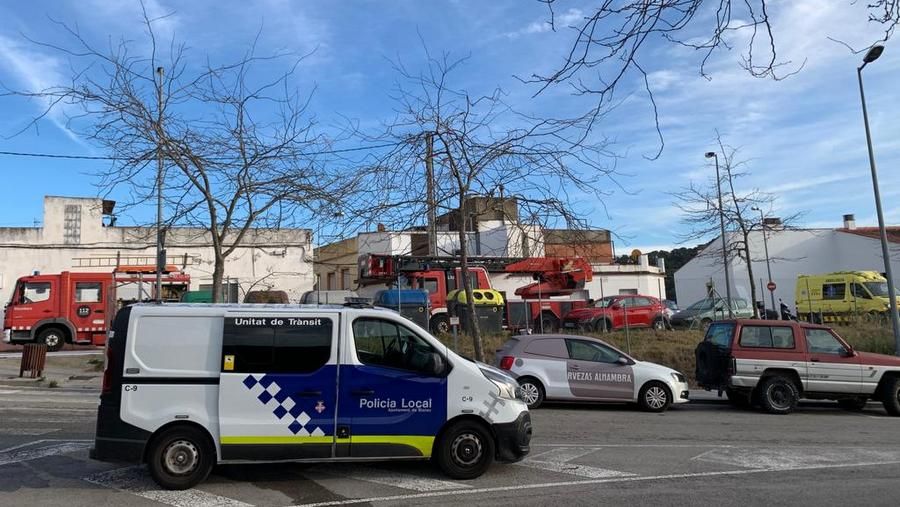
[94,364]
[53,384]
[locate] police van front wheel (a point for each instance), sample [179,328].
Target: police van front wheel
[465,450]
[180,458]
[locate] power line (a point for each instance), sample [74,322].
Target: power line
[89,157]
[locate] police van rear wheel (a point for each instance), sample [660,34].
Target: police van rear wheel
[465,451]
[180,458]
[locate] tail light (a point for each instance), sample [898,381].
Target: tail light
[106,387]
[507,362]
[732,366]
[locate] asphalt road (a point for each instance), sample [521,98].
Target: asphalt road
[698,454]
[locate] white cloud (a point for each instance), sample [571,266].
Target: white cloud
[36,72]
[566,19]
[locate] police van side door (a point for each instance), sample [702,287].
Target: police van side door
[392,401]
[593,373]
[278,386]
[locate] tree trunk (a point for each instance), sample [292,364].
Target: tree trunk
[218,273]
[477,342]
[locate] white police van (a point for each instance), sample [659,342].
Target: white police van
[189,386]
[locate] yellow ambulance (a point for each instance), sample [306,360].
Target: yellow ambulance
[838,296]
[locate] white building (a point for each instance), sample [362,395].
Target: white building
[791,252]
[74,237]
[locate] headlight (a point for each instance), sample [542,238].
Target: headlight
[507,385]
[678,377]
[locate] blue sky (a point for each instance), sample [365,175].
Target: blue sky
[803,136]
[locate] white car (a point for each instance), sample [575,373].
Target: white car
[567,367]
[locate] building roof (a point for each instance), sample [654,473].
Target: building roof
[893,232]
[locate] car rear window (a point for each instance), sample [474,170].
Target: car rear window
[767,337]
[720,334]
[552,347]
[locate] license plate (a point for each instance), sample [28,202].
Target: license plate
[569,324]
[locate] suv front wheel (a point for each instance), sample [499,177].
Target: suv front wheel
[778,395]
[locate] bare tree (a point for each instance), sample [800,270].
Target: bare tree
[611,39]
[699,205]
[482,147]
[240,152]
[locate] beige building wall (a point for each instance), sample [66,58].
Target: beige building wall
[73,238]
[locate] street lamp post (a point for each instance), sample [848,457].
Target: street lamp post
[762,222]
[870,57]
[712,154]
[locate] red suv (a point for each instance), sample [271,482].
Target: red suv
[615,312]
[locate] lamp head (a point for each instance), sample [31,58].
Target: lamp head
[710,154]
[873,54]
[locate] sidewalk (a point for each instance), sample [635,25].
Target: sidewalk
[66,372]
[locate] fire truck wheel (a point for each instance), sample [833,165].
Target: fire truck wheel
[53,338]
[440,324]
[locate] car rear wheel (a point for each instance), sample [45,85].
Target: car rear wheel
[465,450]
[891,398]
[778,395]
[180,458]
[532,392]
[654,397]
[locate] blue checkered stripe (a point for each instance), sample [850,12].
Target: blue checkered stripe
[283,406]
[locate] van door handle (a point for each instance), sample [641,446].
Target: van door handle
[573,367]
[308,394]
[362,392]
[98,311]
[814,359]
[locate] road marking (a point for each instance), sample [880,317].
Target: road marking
[545,485]
[41,441]
[136,481]
[18,455]
[787,459]
[389,478]
[9,391]
[558,460]
[47,409]
[64,353]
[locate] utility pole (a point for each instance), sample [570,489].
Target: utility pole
[160,248]
[762,223]
[713,155]
[429,182]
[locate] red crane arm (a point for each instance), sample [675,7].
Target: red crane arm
[556,276]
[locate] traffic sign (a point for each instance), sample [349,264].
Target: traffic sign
[771,286]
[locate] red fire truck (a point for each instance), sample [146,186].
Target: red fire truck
[558,286]
[68,307]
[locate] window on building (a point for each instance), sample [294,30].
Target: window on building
[278,347]
[628,291]
[88,292]
[330,282]
[834,290]
[346,283]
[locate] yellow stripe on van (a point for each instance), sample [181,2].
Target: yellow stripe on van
[421,443]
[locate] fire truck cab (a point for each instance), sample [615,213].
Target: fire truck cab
[68,307]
